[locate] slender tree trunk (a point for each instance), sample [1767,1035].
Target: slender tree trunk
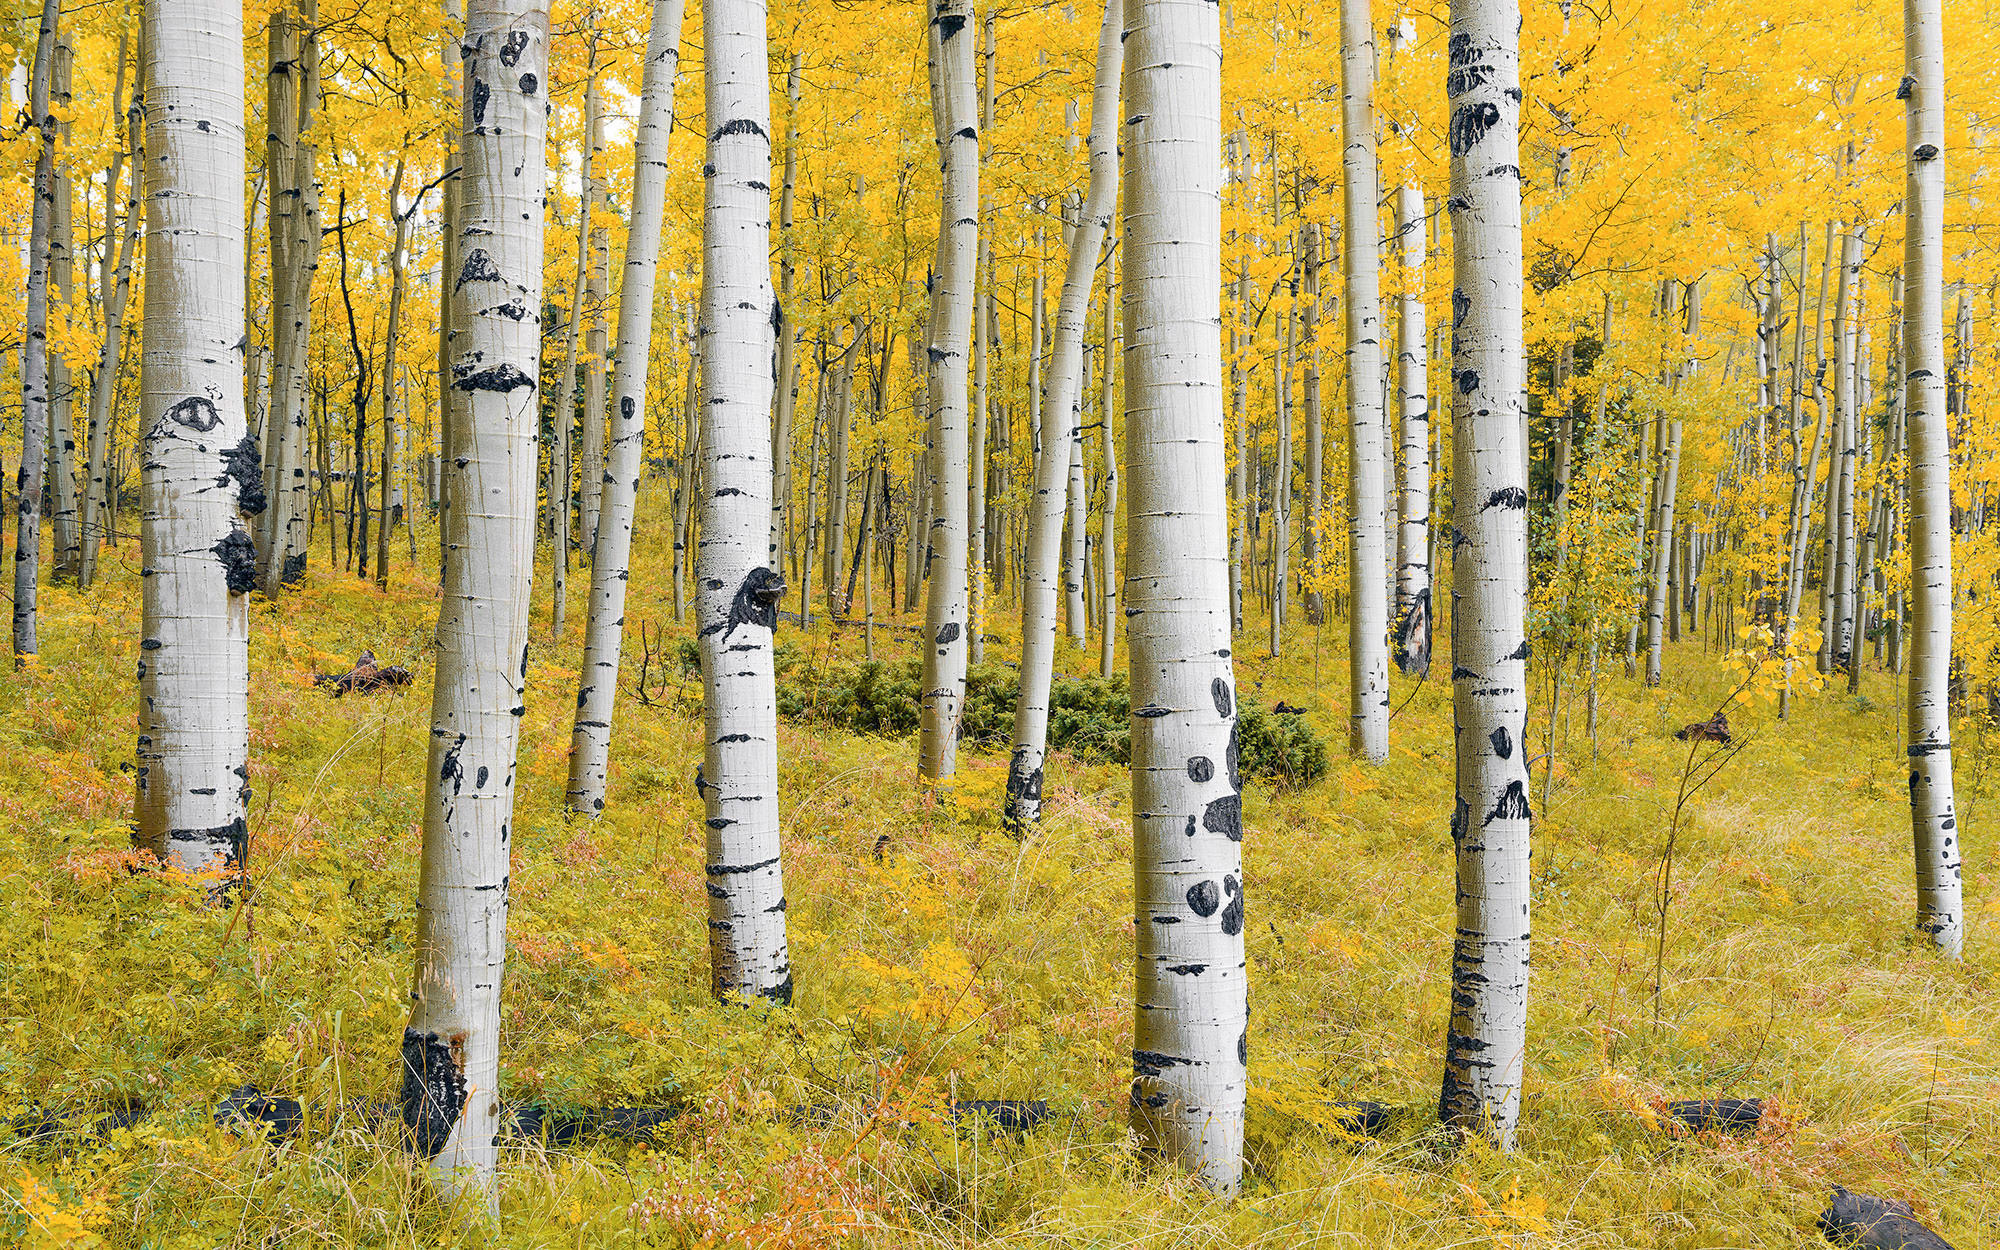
[737,597]
[840,418]
[590,739]
[66,549]
[1281,492]
[395,328]
[194,670]
[1933,819]
[954,104]
[1190,1038]
[1241,334]
[1666,497]
[116,292]
[1367,547]
[562,413]
[451,1048]
[35,349]
[1842,571]
[292,159]
[1487,1036]
[1107,644]
[1315,431]
[1413,569]
[788,334]
[596,343]
[1023,804]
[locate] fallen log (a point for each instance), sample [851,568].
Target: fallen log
[1857,1220]
[366,677]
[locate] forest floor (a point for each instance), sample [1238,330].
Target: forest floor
[961,963]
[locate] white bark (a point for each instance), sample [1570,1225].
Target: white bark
[451,1047]
[1666,496]
[787,401]
[1413,559]
[194,666]
[292,159]
[1933,819]
[115,290]
[596,344]
[1487,1036]
[1045,509]
[562,412]
[1190,1033]
[66,548]
[590,740]
[1367,541]
[954,98]
[35,349]
[1107,639]
[737,599]
[1847,465]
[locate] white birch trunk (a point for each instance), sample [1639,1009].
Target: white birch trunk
[451,1047]
[1487,1036]
[1413,560]
[198,563]
[1367,543]
[1190,1031]
[737,599]
[1933,819]
[954,98]
[35,349]
[597,694]
[1023,804]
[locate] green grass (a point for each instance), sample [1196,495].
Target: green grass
[965,963]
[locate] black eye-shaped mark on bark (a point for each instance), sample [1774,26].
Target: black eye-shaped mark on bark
[1232,915]
[1513,805]
[755,603]
[1467,380]
[1243,1047]
[529,84]
[1503,746]
[197,413]
[239,562]
[949,24]
[1224,701]
[1204,898]
[433,1091]
[517,43]
[741,126]
[1200,768]
[1232,758]
[501,378]
[1460,813]
[1925,152]
[947,633]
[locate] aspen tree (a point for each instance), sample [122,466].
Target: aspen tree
[291,160]
[1846,464]
[1190,1032]
[1413,567]
[1107,638]
[955,109]
[1367,542]
[1315,431]
[1665,496]
[115,291]
[1933,819]
[982,398]
[562,413]
[61,281]
[451,1047]
[199,480]
[1487,1035]
[604,636]
[736,602]
[787,401]
[35,348]
[1023,802]
[596,341]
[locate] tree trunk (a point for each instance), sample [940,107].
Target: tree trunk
[591,739]
[451,1048]
[788,334]
[562,413]
[35,349]
[1413,569]
[292,162]
[1191,999]
[954,106]
[1367,546]
[596,343]
[1107,638]
[194,670]
[1848,465]
[1933,820]
[840,419]
[1658,604]
[1315,430]
[116,292]
[396,253]
[738,594]
[66,548]
[1281,493]
[1023,804]
[1488,1033]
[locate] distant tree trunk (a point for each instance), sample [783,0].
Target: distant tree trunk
[1281,494]
[35,349]
[66,546]
[954,105]
[450,399]
[1315,430]
[1190,1032]
[115,290]
[788,334]
[396,252]
[1847,466]
[1664,532]
[1933,819]
[1023,803]
[1241,333]
[292,159]
[596,343]
[840,420]
[1487,1035]
[591,739]
[689,468]
[1368,549]
[451,1047]
[1413,568]
[738,594]
[194,664]
[562,413]
[1107,643]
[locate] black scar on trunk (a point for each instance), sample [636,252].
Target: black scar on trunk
[295,568]
[501,378]
[517,43]
[242,464]
[235,835]
[1232,915]
[1470,124]
[755,603]
[1513,805]
[1225,816]
[1200,768]
[1224,701]
[949,24]
[239,562]
[1511,497]
[197,413]
[741,126]
[1503,746]
[481,93]
[1203,897]
[433,1095]
[478,267]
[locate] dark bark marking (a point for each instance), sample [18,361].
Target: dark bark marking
[1225,816]
[239,562]
[433,1095]
[1224,701]
[1232,915]
[196,412]
[1200,768]
[1204,898]
[242,464]
[755,603]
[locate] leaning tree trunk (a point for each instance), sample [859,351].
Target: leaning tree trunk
[398,249]
[1367,544]
[1488,1032]
[199,479]
[955,107]
[1039,589]
[737,599]
[1413,557]
[451,1047]
[1190,1032]
[590,740]
[1934,822]
[35,350]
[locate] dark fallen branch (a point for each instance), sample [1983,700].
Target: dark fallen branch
[1852,1219]
[366,677]
[1714,729]
[1720,1115]
[1361,1118]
